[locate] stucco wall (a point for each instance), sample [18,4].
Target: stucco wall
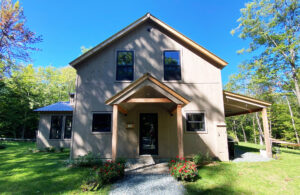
[43,135]
[96,82]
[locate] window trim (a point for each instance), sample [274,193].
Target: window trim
[65,119]
[61,128]
[205,122]
[133,62]
[101,112]
[180,61]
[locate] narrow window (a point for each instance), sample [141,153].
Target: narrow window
[195,122]
[125,65]
[68,127]
[56,126]
[101,122]
[172,69]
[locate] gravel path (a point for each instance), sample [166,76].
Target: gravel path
[147,184]
[249,157]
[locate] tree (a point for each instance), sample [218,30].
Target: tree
[16,39]
[272,26]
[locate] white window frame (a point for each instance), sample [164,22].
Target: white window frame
[196,112]
[101,112]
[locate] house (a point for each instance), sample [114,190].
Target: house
[147,90]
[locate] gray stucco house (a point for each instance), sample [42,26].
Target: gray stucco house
[147,90]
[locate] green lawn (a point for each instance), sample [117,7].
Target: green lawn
[275,177]
[24,172]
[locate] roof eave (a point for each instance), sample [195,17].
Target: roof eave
[127,29]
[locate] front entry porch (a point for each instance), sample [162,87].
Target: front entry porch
[150,101]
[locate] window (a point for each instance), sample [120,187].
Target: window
[68,127]
[125,65]
[195,122]
[172,69]
[56,126]
[101,122]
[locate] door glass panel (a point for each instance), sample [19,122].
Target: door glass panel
[148,133]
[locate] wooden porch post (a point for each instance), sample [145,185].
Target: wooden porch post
[180,131]
[266,132]
[114,147]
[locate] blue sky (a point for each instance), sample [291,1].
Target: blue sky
[66,25]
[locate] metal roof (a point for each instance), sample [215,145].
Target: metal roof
[59,106]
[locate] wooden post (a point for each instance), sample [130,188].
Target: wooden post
[266,132]
[114,147]
[180,131]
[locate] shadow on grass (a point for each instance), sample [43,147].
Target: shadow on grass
[217,179]
[24,172]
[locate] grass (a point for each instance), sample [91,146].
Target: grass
[24,172]
[274,177]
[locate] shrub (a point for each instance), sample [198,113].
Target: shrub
[182,169]
[88,160]
[110,172]
[61,149]
[200,159]
[121,160]
[50,149]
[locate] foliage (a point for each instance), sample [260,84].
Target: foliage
[272,27]
[200,159]
[105,174]
[24,172]
[272,177]
[110,172]
[27,89]
[182,169]
[88,160]
[121,160]
[2,146]
[16,39]
[50,149]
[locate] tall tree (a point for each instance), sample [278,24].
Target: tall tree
[273,26]
[16,39]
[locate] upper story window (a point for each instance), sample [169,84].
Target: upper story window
[195,122]
[101,122]
[125,61]
[172,67]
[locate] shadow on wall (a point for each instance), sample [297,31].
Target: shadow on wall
[93,90]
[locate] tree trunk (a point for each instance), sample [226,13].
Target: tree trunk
[244,133]
[295,78]
[261,142]
[254,132]
[234,130]
[292,118]
[24,125]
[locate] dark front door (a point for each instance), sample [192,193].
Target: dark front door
[148,133]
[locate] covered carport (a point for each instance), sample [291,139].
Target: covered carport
[236,104]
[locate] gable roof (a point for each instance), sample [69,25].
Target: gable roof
[59,106]
[220,62]
[139,81]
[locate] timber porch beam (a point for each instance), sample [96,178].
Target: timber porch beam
[122,110]
[148,100]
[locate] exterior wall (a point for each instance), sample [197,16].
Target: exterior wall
[201,84]
[42,139]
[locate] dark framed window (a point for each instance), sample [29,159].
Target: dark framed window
[125,61]
[101,122]
[172,66]
[68,127]
[195,122]
[56,127]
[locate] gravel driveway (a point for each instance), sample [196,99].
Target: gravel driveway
[148,184]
